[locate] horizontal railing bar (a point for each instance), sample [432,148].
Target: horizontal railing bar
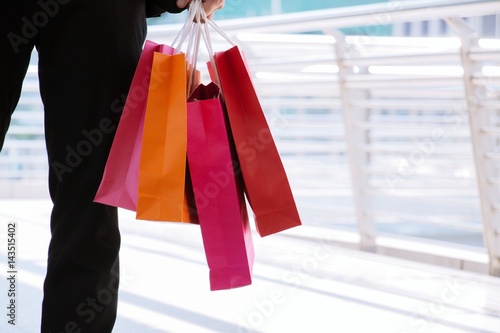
[429,166]
[399,104]
[309,135]
[325,128]
[28,115]
[32,130]
[270,89]
[491,130]
[326,168]
[283,125]
[429,59]
[424,119]
[9,156]
[289,67]
[431,220]
[23,176]
[423,182]
[493,156]
[384,102]
[353,16]
[403,83]
[433,195]
[402,128]
[33,169]
[489,105]
[441,164]
[434,79]
[302,103]
[417,183]
[301,148]
[287,78]
[442,174]
[403,137]
[418,186]
[418,93]
[488,80]
[396,150]
[480,54]
[445,249]
[30,100]
[494,180]
[28,163]
[40,143]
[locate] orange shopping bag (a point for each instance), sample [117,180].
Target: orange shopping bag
[162,174]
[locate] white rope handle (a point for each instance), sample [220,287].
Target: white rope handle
[193,57]
[197,27]
[219,31]
[208,43]
[191,32]
[196,14]
[187,29]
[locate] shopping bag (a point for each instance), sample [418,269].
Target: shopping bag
[162,174]
[119,183]
[218,192]
[264,176]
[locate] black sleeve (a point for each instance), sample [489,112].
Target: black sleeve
[157,7]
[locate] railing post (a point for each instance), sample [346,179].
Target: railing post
[355,138]
[483,144]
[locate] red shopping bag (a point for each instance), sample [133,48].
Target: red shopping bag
[218,192]
[120,180]
[266,183]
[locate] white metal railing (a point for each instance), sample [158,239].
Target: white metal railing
[482,90]
[377,133]
[406,134]
[23,158]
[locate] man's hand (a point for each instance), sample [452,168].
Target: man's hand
[210,6]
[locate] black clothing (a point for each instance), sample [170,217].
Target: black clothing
[88,50]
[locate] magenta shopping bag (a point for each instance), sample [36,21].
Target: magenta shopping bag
[218,192]
[119,185]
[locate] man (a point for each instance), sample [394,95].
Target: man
[88,50]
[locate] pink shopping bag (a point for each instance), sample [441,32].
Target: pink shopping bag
[218,192]
[119,185]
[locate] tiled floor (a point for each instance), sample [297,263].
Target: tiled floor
[300,285]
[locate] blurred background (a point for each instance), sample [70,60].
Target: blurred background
[383,111]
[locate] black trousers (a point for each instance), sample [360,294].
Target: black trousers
[88,50]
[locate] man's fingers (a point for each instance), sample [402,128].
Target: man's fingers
[210,6]
[183,3]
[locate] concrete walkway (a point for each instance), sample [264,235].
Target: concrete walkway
[301,284]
